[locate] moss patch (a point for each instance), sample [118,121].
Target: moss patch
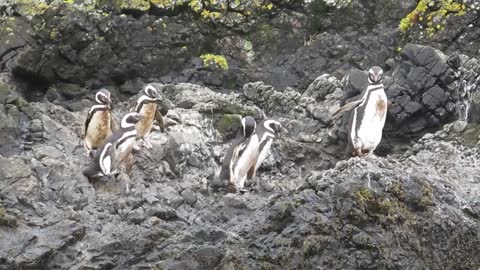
[212,60]
[229,123]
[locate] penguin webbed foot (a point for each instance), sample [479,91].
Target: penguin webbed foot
[241,190]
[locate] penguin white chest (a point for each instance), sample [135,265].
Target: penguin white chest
[264,151]
[367,129]
[247,158]
[98,129]
[145,124]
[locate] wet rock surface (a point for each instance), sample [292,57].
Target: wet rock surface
[306,208]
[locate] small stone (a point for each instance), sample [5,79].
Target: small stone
[36,125]
[459,126]
[189,196]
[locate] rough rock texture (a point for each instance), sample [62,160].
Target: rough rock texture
[306,209]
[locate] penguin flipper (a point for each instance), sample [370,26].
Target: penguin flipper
[129,161]
[347,107]
[107,158]
[159,118]
[85,125]
[389,105]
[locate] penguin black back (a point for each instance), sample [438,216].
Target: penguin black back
[106,156]
[235,150]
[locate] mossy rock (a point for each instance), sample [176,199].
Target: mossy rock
[17,101]
[471,135]
[4,90]
[138,5]
[6,219]
[229,123]
[71,91]
[31,7]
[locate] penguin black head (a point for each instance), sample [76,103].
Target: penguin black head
[375,74]
[130,119]
[151,92]
[274,126]
[103,97]
[248,125]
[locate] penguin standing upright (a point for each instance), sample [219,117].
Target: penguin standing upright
[241,156]
[146,105]
[367,118]
[99,123]
[267,131]
[115,150]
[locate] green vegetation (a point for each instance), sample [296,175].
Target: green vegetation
[317,10]
[229,123]
[215,60]
[432,15]
[214,10]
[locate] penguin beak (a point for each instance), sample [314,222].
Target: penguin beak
[281,129]
[378,77]
[110,103]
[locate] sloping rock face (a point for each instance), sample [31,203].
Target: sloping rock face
[307,209]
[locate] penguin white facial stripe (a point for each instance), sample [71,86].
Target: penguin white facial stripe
[125,136]
[266,136]
[105,161]
[98,107]
[150,91]
[244,127]
[267,124]
[144,99]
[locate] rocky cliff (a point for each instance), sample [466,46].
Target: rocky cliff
[415,206]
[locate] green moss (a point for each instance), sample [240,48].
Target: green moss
[317,10]
[142,5]
[229,123]
[31,7]
[427,196]
[266,34]
[363,196]
[4,90]
[6,219]
[312,245]
[215,60]
[432,15]
[165,4]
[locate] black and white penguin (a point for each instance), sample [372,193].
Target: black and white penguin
[242,155]
[146,105]
[99,123]
[368,115]
[267,131]
[115,150]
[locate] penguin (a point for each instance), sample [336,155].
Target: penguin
[368,116]
[267,131]
[147,106]
[115,150]
[241,156]
[99,123]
